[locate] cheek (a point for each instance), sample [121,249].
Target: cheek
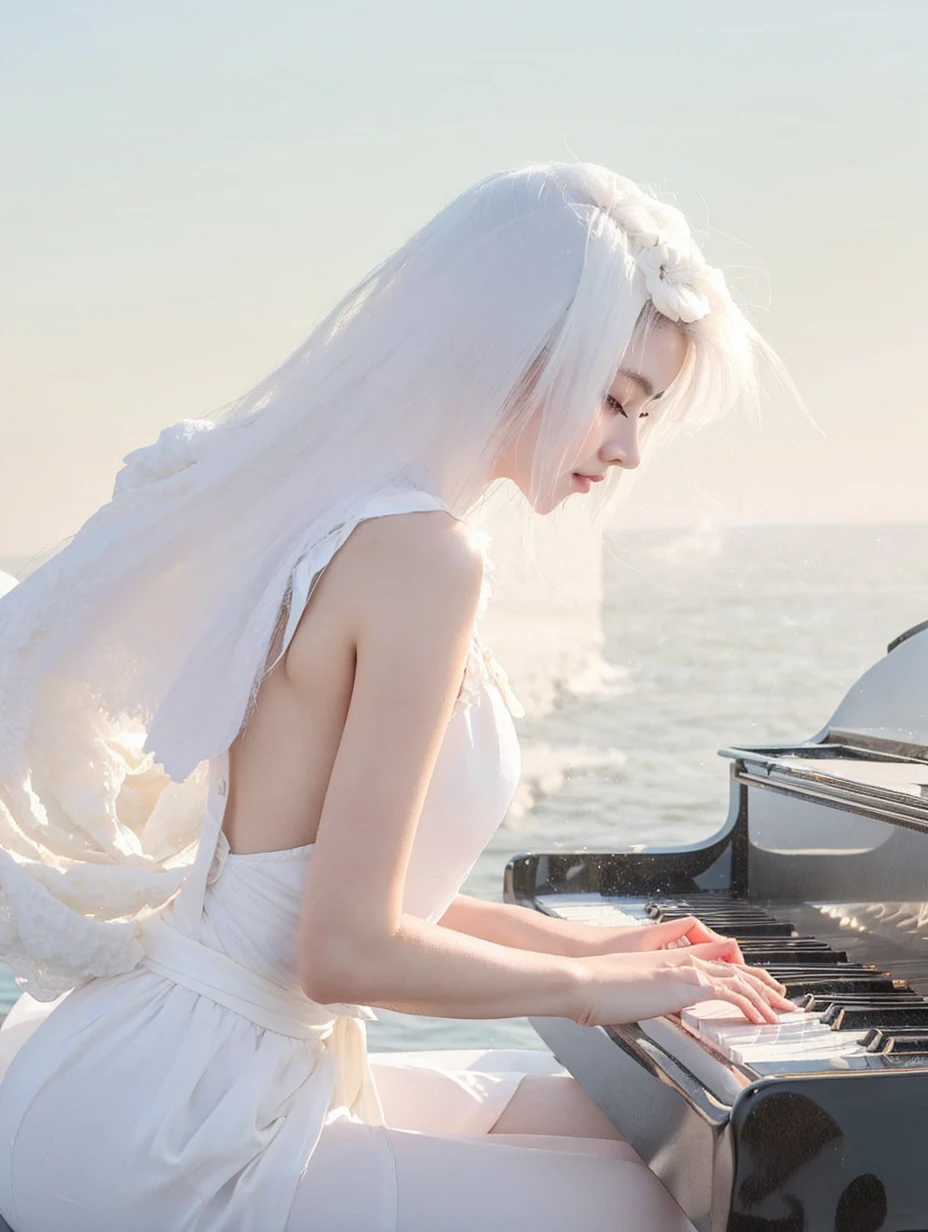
[598,433]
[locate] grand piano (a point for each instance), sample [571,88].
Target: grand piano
[820,1123]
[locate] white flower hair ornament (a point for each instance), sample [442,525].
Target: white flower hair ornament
[177,447]
[671,273]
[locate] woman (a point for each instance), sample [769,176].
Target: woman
[252,744]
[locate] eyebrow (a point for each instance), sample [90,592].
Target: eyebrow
[643,383]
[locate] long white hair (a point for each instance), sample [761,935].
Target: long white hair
[135,653]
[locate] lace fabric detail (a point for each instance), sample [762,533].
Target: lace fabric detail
[482,667]
[94,836]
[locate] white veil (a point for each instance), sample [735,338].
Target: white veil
[134,654]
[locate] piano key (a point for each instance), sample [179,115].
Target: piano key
[598,911]
[808,957]
[904,1060]
[749,931]
[794,941]
[747,1035]
[904,1043]
[815,1003]
[875,1038]
[850,1019]
[797,1043]
[719,1020]
[811,1050]
[667,911]
[852,1061]
[799,965]
[729,917]
[803,986]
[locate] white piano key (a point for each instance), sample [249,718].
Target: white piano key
[798,1043]
[721,1017]
[773,1041]
[587,909]
[812,1065]
[765,1049]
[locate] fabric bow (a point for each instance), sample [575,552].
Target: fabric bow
[670,274]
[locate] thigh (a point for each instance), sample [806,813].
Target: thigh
[554,1104]
[455,1091]
[491,1183]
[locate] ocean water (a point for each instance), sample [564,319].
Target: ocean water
[713,637]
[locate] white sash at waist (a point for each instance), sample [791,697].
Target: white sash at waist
[185,961]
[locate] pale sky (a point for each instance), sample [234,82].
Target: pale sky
[188,187]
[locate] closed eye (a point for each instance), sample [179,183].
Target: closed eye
[616,405]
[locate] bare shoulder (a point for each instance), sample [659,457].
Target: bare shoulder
[395,576]
[424,564]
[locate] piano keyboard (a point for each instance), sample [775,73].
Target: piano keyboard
[850,1015]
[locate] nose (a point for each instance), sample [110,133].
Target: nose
[623,447]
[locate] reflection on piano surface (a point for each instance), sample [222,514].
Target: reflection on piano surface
[819,1122]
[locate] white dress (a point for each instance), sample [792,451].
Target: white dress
[202,1091]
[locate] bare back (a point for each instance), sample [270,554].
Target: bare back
[281,764]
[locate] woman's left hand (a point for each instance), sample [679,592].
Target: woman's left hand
[673,933]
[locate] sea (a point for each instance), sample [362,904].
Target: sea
[714,636]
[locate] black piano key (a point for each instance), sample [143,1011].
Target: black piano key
[807,958]
[817,1003]
[746,932]
[716,913]
[904,1043]
[849,1018]
[739,921]
[802,986]
[691,908]
[676,911]
[747,929]
[791,946]
[874,1040]
[817,977]
[716,920]
[905,1060]
[799,966]
[798,941]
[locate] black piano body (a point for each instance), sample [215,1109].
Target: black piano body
[831,834]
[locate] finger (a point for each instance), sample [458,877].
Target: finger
[720,951]
[699,933]
[723,992]
[670,932]
[766,978]
[735,956]
[767,990]
[752,976]
[772,991]
[746,988]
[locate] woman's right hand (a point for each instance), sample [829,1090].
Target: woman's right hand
[622,988]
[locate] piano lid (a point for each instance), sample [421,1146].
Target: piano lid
[889,703]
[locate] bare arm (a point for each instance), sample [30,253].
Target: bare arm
[409,587]
[515,926]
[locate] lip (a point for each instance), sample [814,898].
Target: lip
[584,482]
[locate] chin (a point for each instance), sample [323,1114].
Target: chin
[549,501]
